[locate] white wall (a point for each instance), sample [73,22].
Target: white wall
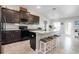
[63,28]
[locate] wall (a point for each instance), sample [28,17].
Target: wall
[65,21]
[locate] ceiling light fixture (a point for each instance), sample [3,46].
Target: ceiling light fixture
[53,8]
[38,7]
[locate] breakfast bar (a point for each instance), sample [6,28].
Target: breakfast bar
[41,35]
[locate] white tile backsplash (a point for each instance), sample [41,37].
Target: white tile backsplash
[10,26]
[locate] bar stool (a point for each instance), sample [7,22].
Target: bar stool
[46,45]
[53,42]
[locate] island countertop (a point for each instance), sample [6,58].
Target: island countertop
[41,31]
[40,34]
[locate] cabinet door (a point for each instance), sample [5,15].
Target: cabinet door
[12,17]
[23,16]
[0,30]
[4,15]
[11,36]
[30,19]
[9,16]
[17,35]
[16,17]
[36,19]
[8,38]
[3,37]
[0,48]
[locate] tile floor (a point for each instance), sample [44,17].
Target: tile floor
[64,46]
[22,47]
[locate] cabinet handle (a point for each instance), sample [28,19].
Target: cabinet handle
[32,35]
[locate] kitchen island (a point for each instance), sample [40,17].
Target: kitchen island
[40,35]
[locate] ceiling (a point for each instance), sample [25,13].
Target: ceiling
[59,11]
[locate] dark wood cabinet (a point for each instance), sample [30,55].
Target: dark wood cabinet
[11,36]
[16,18]
[0,30]
[23,16]
[23,10]
[10,16]
[29,18]
[0,48]
[35,19]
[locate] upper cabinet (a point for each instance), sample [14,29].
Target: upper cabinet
[27,17]
[23,13]
[23,10]
[10,16]
[36,19]
[16,17]
[23,16]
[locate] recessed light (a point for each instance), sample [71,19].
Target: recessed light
[53,8]
[38,7]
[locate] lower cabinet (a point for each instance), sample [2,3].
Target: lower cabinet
[0,48]
[11,36]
